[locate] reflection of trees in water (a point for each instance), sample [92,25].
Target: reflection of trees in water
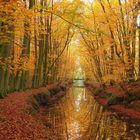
[90,122]
[105,125]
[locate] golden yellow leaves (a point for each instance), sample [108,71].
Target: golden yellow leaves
[15,65]
[110,49]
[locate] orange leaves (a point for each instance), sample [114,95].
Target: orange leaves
[109,48]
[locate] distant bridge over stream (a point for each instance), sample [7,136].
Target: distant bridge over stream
[78,82]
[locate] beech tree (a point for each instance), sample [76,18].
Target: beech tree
[112,42]
[35,36]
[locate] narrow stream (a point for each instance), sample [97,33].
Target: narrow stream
[85,119]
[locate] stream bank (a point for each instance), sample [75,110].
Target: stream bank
[86,119]
[74,116]
[122,98]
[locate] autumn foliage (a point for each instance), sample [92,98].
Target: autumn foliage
[110,46]
[41,41]
[34,43]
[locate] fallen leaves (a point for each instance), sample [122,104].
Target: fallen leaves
[15,124]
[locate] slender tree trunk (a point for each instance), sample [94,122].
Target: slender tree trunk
[46,54]
[5,51]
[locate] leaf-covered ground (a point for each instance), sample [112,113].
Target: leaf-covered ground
[128,105]
[17,124]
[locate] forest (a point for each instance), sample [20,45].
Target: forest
[63,62]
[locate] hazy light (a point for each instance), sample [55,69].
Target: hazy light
[88,1]
[138,20]
[124,1]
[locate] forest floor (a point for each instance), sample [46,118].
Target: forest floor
[124,100]
[20,121]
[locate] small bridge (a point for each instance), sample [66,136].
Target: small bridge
[79,79]
[78,82]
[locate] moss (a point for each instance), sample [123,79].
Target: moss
[55,113]
[33,102]
[33,126]
[135,105]
[55,90]
[63,88]
[98,92]
[47,92]
[2,96]
[47,124]
[114,100]
[2,119]
[30,111]
[42,99]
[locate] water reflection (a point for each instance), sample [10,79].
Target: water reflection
[86,120]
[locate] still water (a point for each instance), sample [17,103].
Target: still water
[85,119]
